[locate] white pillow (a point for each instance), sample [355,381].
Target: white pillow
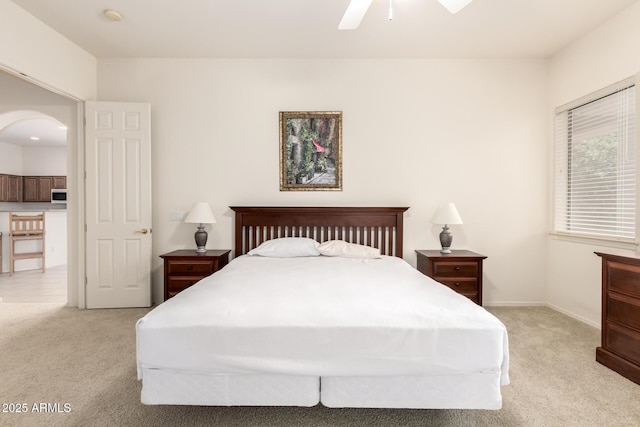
[287,247]
[347,250]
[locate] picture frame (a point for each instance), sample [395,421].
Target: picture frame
[310,150]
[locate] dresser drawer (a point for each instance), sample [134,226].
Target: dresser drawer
[624,342]
[624,278]
[455,269]
[190,267]
[624,310]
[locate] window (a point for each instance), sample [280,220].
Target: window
[595,166]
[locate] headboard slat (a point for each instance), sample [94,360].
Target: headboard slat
[379,227]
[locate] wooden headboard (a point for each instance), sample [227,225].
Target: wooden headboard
[379,227]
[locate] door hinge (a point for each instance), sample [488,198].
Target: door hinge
[85,281]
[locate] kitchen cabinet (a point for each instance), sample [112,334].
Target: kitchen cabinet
[59,182]
[38,188]
[44,188]
[10,188]
[3,188]
[15,188]
[30,188]
[14,192]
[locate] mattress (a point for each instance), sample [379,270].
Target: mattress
[321,316]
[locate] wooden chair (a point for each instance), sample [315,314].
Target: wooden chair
[25,227]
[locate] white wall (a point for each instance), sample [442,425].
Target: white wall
[44,161]
[606,55]
[18,160]
[30,47]
[10,159]
[416,133]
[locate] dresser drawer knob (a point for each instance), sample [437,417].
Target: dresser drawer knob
[190,267]
[457,268]
[457,284]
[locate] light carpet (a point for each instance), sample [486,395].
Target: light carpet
[81,365]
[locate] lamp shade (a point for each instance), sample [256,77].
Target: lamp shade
[446,214]
[200,213]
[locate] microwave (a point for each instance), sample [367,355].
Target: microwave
[59,195]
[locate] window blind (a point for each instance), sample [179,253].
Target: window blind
[595,167]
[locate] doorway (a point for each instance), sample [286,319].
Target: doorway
[25,110]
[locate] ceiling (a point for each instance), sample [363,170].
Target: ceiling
[49,132]
[308,28]
[19,121]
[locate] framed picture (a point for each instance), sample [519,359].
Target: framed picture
[310,150]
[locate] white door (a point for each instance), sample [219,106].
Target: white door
[118,204]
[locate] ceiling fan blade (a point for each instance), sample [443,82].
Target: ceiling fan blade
[354,14]
[454,6]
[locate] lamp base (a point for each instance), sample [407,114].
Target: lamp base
[446,237]
[201,239]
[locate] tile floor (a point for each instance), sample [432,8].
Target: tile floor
[35,286]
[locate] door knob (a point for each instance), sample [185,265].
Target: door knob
[142,231]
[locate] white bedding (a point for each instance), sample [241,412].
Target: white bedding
[321,316]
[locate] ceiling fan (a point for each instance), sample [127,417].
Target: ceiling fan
[357,9]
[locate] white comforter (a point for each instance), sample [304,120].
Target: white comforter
[321,316]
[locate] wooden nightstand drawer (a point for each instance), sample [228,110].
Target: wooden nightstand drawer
[459,270]
[189,267]
[455,269]
[184,268]
[461,285]
[180,283]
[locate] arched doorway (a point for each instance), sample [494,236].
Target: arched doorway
[26,111]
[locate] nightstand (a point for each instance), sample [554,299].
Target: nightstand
[185,267]
[460,270]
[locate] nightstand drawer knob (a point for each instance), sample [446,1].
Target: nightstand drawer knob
[190,267]
[457,268]
[457,284]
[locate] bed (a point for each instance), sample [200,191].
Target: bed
[345,331]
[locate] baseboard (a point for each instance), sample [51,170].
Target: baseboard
[513,304]
[543,304]
[575,316]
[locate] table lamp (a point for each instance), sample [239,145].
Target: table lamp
[446,214]
[200,214]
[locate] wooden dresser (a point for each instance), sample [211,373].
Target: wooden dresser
[185,267]
[459,270]
[620,348]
